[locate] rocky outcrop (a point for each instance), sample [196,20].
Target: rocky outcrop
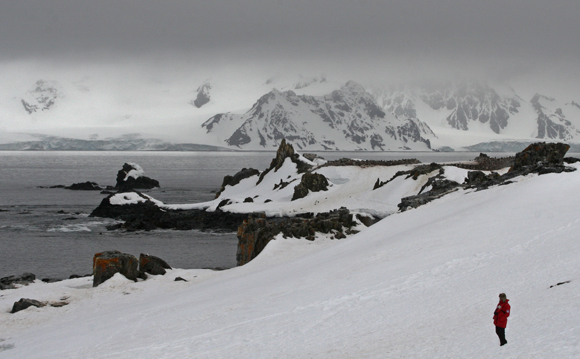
[147,215]
[235,179]
[131,176]
[152,265]
[285,150]
[540,154]
[106,264]
[310,182]
[10,281]
[539,158]
[24,303]
[84,186]
[255,232]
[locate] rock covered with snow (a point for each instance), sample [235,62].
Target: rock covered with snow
[132,176]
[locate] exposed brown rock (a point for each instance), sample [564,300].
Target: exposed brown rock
[106,264]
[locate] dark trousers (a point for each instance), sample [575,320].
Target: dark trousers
[501,335]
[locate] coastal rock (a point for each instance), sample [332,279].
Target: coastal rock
[24,303]
[106,264]
[84,186]
[255,232]
[152,265]
[23,279]
[131,176]
[310,182]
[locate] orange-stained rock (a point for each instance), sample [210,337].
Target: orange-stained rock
[106,264]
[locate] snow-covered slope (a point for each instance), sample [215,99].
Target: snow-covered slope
[418,284]
[346,119]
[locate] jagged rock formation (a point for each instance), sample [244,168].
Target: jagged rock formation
[285,150]
[41,97]
[346,119]
[131,176]
[106,264]
[255,233]
[203,95]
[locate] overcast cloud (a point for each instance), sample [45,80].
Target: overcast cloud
[487,33]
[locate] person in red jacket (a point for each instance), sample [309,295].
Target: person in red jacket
[502,312]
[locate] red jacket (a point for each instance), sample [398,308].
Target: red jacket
[502,312]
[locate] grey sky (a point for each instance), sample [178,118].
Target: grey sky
[362,33]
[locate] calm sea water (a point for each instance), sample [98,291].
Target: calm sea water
[48,232]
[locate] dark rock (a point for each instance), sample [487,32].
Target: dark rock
[237,178]
[439,187]
[23,279]
[314,182]
[152,265]
[179,279]
[255,232]
[24,303]
[249,200]
[50,280]
[570,160]
[540,153]
[127,183]
[566,282]
[148,216]
[223,202]
[106,264]
[84,186]
[285,150]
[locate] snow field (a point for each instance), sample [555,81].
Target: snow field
[418,284]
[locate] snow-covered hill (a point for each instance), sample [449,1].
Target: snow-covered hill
[346,119]
[419,284]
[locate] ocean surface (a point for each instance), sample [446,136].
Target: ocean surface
[47,231]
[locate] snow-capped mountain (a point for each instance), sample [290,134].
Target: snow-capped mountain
[346,119]
[41,96]
[469,111]
[552,121]
[203,95]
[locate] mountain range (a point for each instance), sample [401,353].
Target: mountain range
[312,113]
